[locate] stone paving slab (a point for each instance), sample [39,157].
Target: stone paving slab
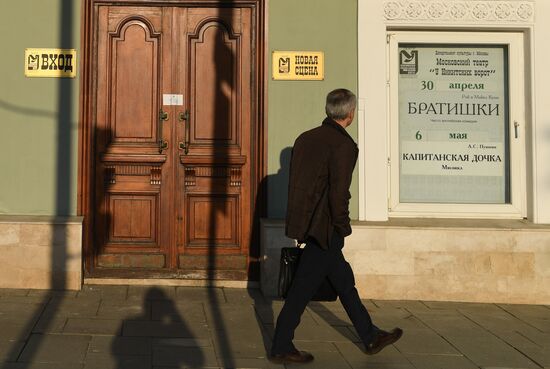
[356,358]
[425,342]
[101,361]
[19,313]
[308,332]
[489,350]
[242,343]
[451,323]
[326,356]
[539,355]
[22,300]
[118,345]
[448,305]
[244,296]
[41,366]
[110,293]
[231,317]
[268,314]
[334,318]
[409,323]
[50,324]
[335,305]
[124,310]
[184,357]
[178,310]
[71,307]
[142,293]
[51,293]
[55,348]
[17,331]
[537,337]
[182,342]
[518,340]
[441,361]
[93,326]
[10,349]
[249,363]
[499,321]
[535,311]
[163,329]
[401,304]
[200,294]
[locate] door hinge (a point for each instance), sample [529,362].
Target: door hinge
[389,162]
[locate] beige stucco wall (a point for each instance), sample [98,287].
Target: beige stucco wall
[378,18]
[441,260]
[40,252]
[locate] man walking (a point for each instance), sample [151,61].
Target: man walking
[321,169]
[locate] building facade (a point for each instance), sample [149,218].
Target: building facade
[164,157]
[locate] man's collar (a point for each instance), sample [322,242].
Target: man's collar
[332,123]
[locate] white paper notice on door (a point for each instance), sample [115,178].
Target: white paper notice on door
[172,99]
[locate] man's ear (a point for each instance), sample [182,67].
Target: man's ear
[350,117]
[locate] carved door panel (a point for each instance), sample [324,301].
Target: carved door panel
[173,182]
[214,187]
[133,165]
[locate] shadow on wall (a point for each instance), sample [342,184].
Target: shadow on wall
[277,185]
[26,111]
[223,83]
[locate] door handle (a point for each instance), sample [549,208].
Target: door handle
[184,116]
[163,144]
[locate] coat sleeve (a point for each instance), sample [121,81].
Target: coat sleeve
[341,164]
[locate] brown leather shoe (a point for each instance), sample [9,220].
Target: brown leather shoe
[382,340]
[292,357]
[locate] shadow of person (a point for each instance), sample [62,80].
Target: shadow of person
[159,336]
[273,186]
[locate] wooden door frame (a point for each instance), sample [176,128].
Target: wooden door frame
[88,83]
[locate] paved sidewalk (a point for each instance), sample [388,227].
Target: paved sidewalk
[103,327]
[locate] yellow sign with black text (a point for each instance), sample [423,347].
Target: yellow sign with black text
[298,65]
[50,63]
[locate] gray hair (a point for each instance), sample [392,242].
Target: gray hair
[340,103]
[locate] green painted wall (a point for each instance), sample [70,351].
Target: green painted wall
[295,106]
[38,116]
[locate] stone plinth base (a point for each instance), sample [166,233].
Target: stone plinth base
[40,252]
[505,261]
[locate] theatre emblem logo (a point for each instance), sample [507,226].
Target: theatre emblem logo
[32,62]
[408,62]
[284,65]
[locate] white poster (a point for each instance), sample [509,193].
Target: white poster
[453,119]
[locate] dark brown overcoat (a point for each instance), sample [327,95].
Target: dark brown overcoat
[321,168]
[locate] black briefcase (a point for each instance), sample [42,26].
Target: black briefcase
[290,258]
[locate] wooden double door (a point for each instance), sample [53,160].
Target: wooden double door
[174,143]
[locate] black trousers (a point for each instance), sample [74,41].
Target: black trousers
[316,264]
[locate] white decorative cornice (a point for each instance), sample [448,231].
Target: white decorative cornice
[464,11]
